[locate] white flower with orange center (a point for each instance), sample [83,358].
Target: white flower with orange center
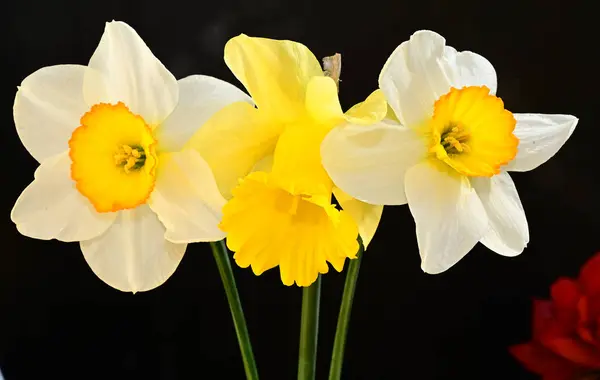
[445,150]
[114,173]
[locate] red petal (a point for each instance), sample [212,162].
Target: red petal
[546,327]
[589,277]
[596,331]
[565,297]
[542,316]
[565,293]
[585,323]
[583,309]
[542,361]
[575,351]
[593,306]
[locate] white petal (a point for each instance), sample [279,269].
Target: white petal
[48,107]
[124,69]
[413,77]
[52,208]
[466,68]
[199,98]
[369,162]
[186,198]
[509,233]
[449,216]
[423,68]
[540,137]
[133,255]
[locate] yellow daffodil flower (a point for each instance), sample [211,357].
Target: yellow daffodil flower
[445,151]
[113,171]
[267,162]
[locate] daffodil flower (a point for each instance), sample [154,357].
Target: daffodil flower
[114,174]
[267,162]
[447,152]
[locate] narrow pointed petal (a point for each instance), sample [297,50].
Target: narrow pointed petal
[369,163]
[186,198]
[52,208]
[200,97]
[133,255]
[48,107]
[449,216]
[124,69]
[509,232]
[540,138]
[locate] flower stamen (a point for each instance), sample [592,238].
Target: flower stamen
[130,157]
[471,132]
[454,139]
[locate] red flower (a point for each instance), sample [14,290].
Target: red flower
[566,329]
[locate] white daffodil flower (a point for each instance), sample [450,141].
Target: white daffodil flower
[113,172]
[446,153]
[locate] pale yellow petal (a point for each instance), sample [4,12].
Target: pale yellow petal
[48,106]
[52,208]
[369,162]
[391,115]
[186,198]
[123,69]
[365,215]
[264,165]
[372,110]
[322,101]
[200,97]
[233,141]
[133,255]
[413,77]
[275,73]
[449,216]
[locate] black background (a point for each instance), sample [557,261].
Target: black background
[57,320]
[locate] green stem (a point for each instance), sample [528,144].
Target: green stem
[309,331]
[235,305]
[337,358]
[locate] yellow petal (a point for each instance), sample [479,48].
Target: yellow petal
[275,73]
[232,141]
[186,198]
[297,160]
[372,110]
[264,165]
[267,226]
[391,115]
[322,101]
[366,215]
